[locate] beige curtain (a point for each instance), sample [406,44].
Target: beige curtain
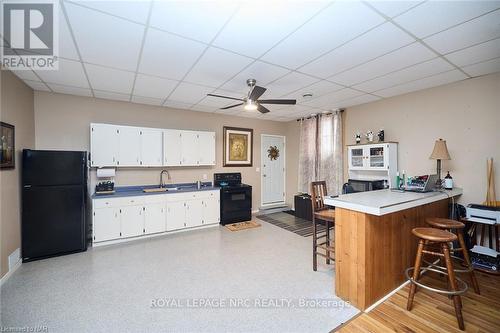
[320,152]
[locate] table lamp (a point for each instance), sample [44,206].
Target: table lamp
[439,153]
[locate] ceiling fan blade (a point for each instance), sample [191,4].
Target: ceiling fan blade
[231,106]
[256,93]
[236,99]
[262,109]
[278,101]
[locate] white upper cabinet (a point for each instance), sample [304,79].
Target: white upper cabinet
[172,153]
[104,144]
[190,148]
[130,146]
[207,148]
[151,147]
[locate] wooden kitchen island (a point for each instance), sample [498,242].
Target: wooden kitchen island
[373,240]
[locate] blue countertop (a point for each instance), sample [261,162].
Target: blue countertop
[131,191]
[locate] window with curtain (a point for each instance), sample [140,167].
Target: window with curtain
[320,152]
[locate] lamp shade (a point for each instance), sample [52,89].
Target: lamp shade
[440,151]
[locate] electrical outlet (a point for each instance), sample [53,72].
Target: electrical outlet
[257,169]
[205,177]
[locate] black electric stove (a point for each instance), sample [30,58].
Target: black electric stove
[235,198]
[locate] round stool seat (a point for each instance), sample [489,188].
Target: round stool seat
[434,235]
[444,223]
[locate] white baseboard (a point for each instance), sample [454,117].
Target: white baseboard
[10,272]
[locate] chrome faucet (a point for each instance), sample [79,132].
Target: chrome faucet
[162,184]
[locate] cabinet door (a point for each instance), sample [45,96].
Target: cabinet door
[211,209]
[154,218]
[151,147]
[176,215]
[130,146]
[104,144]
[207,148]
[190,148]
[356,157]
[376,156]
[132,221]
[172,148]
[106,224]
[194,213]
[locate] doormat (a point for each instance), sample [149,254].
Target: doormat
[243,225]
[291,223]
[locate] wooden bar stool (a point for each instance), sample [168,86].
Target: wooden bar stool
[456,227]
[324,216]
[430,236]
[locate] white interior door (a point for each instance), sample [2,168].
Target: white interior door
[272,169]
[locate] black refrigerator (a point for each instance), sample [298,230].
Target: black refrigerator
[54,196]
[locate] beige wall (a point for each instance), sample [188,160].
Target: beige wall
[62,122]
[466,114]
[17,110]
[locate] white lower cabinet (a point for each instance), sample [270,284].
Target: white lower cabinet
[120,218]
[154,218]
[106,224]
[176,215]
[132,221]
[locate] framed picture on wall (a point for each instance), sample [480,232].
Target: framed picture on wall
[7,147]
[238,146]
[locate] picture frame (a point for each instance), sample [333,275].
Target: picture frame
[7,146]
[238,147]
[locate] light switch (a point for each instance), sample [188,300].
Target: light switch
[257,169]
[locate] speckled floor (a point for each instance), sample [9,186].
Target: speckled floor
[190,277]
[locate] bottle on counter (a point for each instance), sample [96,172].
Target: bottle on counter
[448,181]
[398,180]
[403,180]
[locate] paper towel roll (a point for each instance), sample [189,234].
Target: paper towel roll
[105,173]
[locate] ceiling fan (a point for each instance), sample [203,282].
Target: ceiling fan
[252,102]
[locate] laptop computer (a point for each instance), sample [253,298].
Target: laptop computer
[425,183]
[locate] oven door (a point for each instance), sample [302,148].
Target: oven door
[236,205]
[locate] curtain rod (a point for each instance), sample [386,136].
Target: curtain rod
[328,113]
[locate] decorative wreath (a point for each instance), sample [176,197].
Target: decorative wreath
[273,153]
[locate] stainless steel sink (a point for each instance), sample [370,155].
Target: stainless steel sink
[159,189]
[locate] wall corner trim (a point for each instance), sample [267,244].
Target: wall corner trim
[10,272]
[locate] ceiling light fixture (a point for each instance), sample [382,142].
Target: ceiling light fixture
[250,105]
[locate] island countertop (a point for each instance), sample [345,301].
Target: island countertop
[387,201]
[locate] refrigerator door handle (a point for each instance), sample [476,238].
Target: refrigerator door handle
[27,186]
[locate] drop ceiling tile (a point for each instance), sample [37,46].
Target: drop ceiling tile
[288,84]
[341,22]
[428,68]
[359,100]
[147,100]
[111,95]
[332,100]
[256,27]
[403,57]
[393,8]
[229,112]
[428,82]
[216,67]
[177,105]
[70,73]
[167,55]
[434,16]
[261,71]
[200,20]
[378,41]
[109,79]
[104,39]
[317,89]
[70,90]
[189,93]
[67,47]
[37,85]
[483,68]
[218,102]
[26,75]
[149,86]
[475,54]
[131,10]
[476,31]
[203,108]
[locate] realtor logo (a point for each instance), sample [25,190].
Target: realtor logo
[29,32]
